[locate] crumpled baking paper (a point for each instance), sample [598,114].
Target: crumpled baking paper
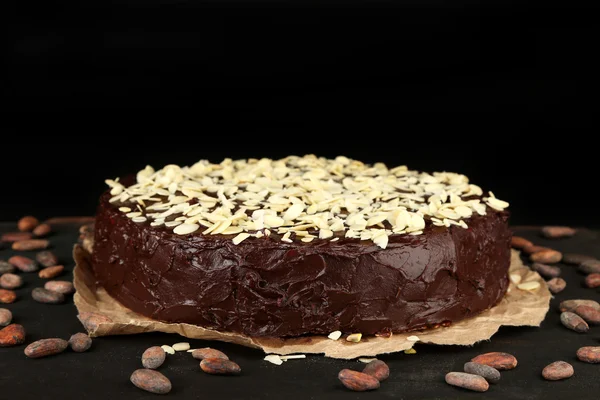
[517,308]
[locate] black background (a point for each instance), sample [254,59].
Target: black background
[501,91]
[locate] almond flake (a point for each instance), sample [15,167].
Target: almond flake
[185,229]
[410,351]
[124,209]
[366,360]
[240,238]
[354,338]
[515,278]
[292,357]
[182,346]
[167,349]
[533,285]
[413,338]
[335,335]
[274,359]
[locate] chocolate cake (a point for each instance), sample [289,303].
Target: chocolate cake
[302,245]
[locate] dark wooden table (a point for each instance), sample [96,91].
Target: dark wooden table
[103,372]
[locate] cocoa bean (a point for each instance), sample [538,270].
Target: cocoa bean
[151,381]
[70,220]
[556,285]
[534,249]
[23,264]
[10,281]
[12,335]
[547,271]
[91,320]
[219,366]
[46,296]
[590,267]
[46,347]
[498,360]
[467,381]
[64,287]
[47,258]
[51,272]
[589,314]
[207,352]
[377,369]
[519,242]
[42,230]
[358,381]
[153,357]
[27,223]
[574,322]
[491,374]
[5,317]
[557,232]
[16,236]
[558,370]
[575,259]
[80,342]
[546,256]
[589,354]
[7,296]
[592,280]
[31,244]
[570,305]
[6,267]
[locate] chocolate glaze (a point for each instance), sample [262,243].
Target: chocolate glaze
[265,287]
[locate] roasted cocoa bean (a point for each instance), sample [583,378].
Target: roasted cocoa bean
[16,236]
[571,305]
[91,320]
[519,242]
[46,347]
[575,259]
[546,256]
[46,296]
[358,381]
[10,281]
[12,335]
[574,322]
[589,354]
[556,285]
[219,366]
[151,381]
[467,381]
[590,267]
[153,357]
[70,220]
[491,374]
[80,342]
[534,249]
[5,317]
[589,314]
[47,258]
[27,223]
[6,267]
[547,271]
[557,232]
[377,369]
[23,264]
[207,352]
[31,244]
[592,280]
[500,361]
[64,287]
[7,296]
[42,230]
[51,272]
[558,370]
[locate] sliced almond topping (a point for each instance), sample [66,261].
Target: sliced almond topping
[533,285]
[355,337]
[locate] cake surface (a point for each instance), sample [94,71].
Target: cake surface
[301,246]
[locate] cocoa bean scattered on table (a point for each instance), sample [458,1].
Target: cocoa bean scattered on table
[27,223]
[47,258]
[10,281]
[64,287]
[7,296]
[358,381]
[592,280]
[46,296]
[500,361]
[31,244]
[589,314]
[558,370]
[546,256]
[570,305]
[91,320]
[42,230]
[467,381]
[153,357]
[151,381]
[574,322]
[377,369]
[11,237]
[46,347]
[556,285]
[534,249]
[219,366]
[12,335]
[491,374]
[558,232]
[23,264]
[589,354]
[6,267]
[80,342]
[51,272]
[5,317]
[207,352]
[519,242]
[590,267]
[575,259]
[547,271]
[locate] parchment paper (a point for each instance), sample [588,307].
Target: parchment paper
[517,308]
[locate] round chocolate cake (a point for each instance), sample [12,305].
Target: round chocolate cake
[301,245]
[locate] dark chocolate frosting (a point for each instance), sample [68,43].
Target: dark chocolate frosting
[266,287]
